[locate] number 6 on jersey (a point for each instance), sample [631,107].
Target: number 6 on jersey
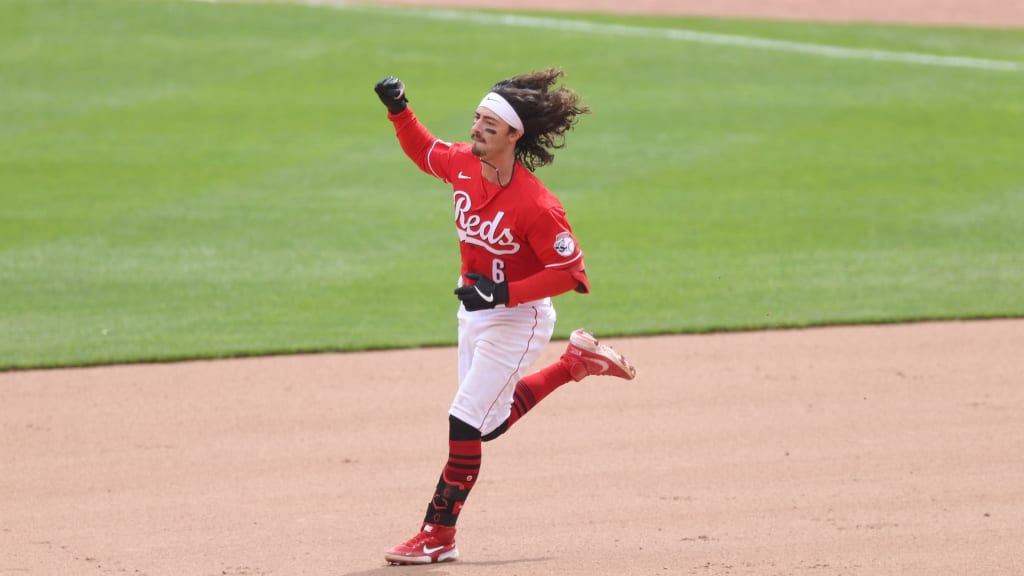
[498,270]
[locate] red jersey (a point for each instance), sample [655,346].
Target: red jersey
[506,234]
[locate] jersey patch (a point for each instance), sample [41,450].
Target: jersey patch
[565,245]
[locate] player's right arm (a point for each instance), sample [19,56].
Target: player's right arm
[426,151]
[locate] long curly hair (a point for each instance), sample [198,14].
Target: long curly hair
[547,113]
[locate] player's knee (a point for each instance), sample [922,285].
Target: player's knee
[496,432]
[459,430]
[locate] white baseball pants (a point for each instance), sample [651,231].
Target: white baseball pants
[496,349]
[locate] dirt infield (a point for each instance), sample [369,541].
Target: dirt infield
[839,451]
[858,450]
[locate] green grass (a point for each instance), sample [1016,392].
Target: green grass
[183,180]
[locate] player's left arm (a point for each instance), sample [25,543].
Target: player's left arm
[548,283]
[551,239]
[483,293]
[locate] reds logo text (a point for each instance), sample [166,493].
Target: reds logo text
[475,230]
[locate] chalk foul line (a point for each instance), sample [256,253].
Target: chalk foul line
[674,34]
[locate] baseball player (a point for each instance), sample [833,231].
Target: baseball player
[518,251]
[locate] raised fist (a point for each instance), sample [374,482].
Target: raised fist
[391,92]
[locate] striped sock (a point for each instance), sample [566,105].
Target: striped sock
[535,387]
[457,479]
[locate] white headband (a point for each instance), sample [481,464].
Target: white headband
[497,104]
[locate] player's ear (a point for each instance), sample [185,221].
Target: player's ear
[514,135]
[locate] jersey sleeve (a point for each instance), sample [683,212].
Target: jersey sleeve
[547,282]
[552,240]
[430,154]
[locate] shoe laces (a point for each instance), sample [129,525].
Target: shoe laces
[417,540]
[423,537]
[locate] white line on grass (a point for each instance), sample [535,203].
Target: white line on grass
[677,34]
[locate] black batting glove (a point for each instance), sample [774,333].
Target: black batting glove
[391,92]
[483,294]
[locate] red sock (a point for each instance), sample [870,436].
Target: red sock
[457,479]
[463,464]
[535,387]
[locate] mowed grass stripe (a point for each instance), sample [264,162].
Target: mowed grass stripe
[182,180]
[676,34]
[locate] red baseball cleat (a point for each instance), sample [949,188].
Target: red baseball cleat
[434,543]
[585,356]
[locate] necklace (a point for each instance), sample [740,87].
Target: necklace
[497,173]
